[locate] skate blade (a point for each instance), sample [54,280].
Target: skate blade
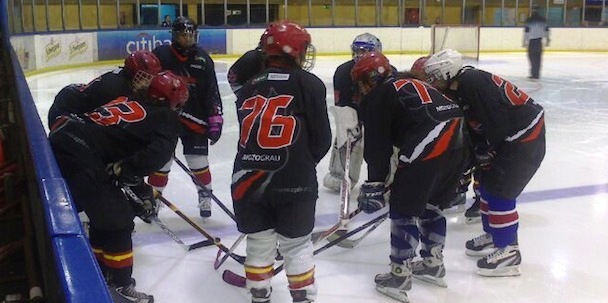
[480,253]
[433,280]
[473,220]
[398,295]
[457,209]
[508,271]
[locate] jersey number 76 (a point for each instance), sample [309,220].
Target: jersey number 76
[274,130]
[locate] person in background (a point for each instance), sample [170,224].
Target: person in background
[201,117]
[284,132]
[509,146]
[113,146]
[166,21]
[427,129]
[535,30]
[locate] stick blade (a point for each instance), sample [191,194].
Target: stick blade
[234,279]
[200,244]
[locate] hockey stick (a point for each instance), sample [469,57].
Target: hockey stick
[203,187]
[218,262]
[345,216]
[348,243]
[154,219]
[216,241]
[237,280]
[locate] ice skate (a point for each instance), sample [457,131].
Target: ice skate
[457,205]
[260,295]
[128,294]
[504,262]
[480,246]
[204,203]
[332,182]
[430,270]
[396,283]
[472,214]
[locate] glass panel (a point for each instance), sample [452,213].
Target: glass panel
[432,12]
[574,12]
[108,14]
[367,13]
[40,15]
[148,13]
[389,14]
[320,14]
[411,12]
[555,13]
[453,12]
[89,14]
[258,13]
[472,12]
[28,22]
[344,13]
[71,14]
[128,13]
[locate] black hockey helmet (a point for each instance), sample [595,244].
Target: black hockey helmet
[184,34]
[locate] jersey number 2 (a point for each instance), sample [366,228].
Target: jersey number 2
[275,130]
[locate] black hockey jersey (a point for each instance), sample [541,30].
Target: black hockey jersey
[248,65]
[198,70]
[504,112]
[284,133]
[408,114]
[346,93]
[82,98]
[142,135]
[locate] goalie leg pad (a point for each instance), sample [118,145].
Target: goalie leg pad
[346,120]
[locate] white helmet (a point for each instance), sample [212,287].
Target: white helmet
[444,65]
[365,43]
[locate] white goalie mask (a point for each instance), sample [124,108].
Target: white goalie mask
[444,65]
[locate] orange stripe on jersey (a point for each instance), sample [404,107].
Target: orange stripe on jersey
[444,141]
[118,260]
[301,280]
[536,132]
[244,185]
[255,273]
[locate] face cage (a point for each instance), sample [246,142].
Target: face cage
[141,80]
[309,59]
[191,38]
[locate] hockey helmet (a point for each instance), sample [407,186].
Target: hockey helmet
[444,65]
[365,43]
[141,66]
[417,70]
[288,38]
[168,88]
[371,68]
[184,34]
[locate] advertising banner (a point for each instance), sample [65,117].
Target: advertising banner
[24,48]
[115,45]
[63,49]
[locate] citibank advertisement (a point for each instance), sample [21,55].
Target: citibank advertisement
[115,45]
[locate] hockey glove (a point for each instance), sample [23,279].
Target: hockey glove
[215,128]
[371,197]
[484,156]
[120,174]
[144,206]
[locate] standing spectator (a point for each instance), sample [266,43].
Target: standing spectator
[427,128]
[509,148]
[117,145]
[535,30]
[284,133]
[166,21]
[201,116]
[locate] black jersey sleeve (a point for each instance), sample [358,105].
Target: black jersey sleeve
[209,89]
[316,110]
[344,88]
[247,66]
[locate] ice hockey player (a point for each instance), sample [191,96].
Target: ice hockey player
[110,147]
[247,66]
[201,116]
[139,68]
[513,147]
[284,133]
[427,128]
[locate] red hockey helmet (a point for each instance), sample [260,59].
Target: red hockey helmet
[141,66]
[288,38]
[417,70]
[168,88]
[371,67]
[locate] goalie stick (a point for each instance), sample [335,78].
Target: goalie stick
[237,280]
[154,219]
[203,187]
[216,241]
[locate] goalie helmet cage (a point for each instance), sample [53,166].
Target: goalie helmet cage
[461,37]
